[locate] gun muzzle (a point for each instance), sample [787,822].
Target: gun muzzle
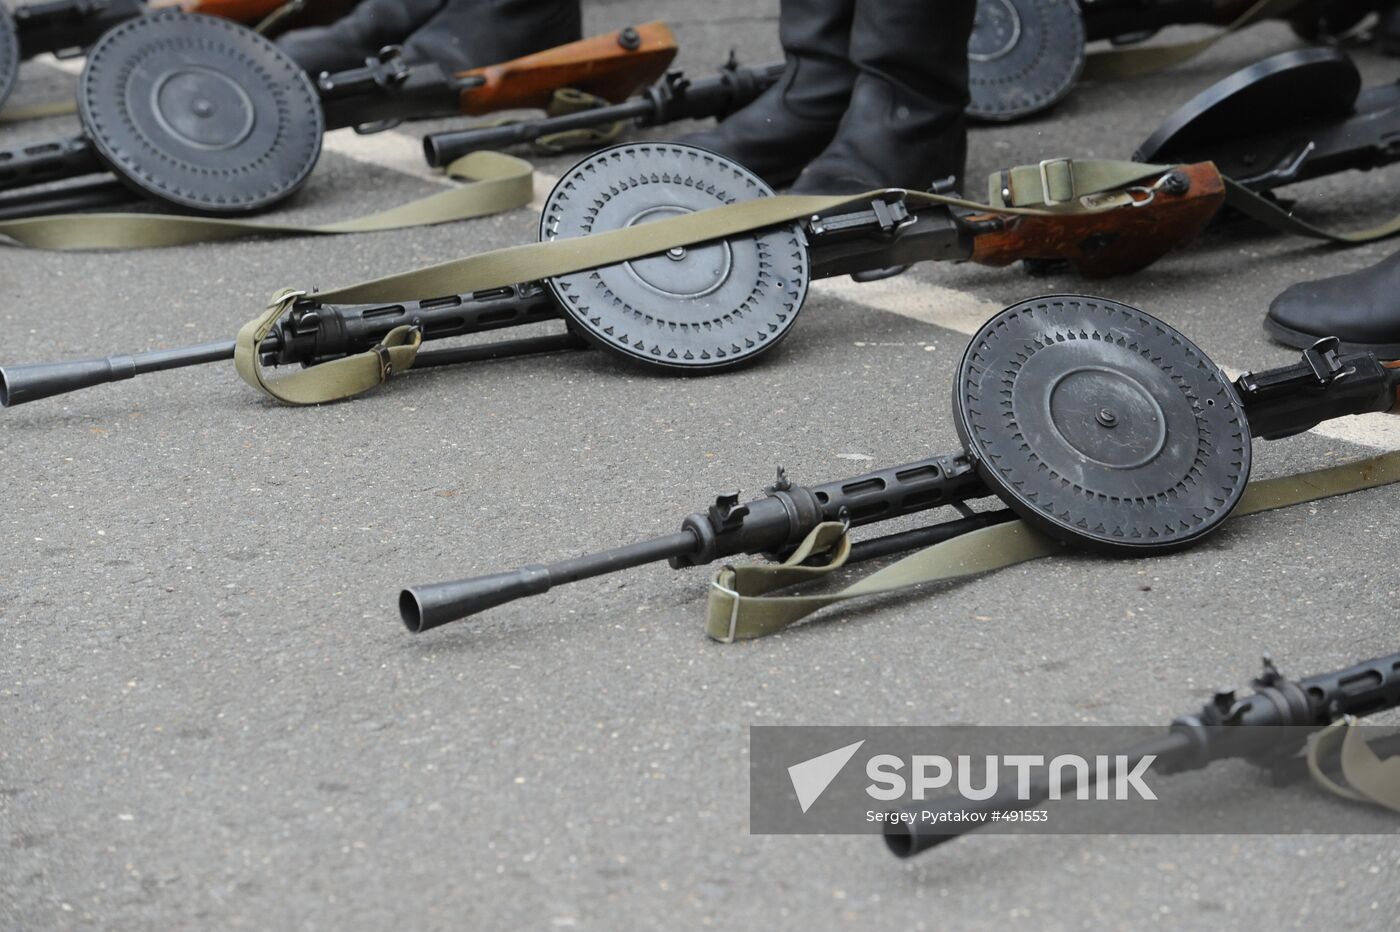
[910,836]
[424,607]
[943,820]
[442,148]
[32,381]
[19,384]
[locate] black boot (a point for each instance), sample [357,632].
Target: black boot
[784,129]
[905,126]
[1361,308]
[457,34]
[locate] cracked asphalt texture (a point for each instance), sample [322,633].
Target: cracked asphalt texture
[211,717]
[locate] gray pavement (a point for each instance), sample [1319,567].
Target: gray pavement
[211,717]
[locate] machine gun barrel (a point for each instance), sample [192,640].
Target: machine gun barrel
[428,606]
[424,607]
[442,148]
[314,333]
[19,384]
[773,524]
[1195,741]
[674,98]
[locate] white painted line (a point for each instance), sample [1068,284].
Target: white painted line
[403,153]
[906,296]
[73,66]
[390,149]
[1381,431]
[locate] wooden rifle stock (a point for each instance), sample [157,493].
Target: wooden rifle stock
[1110,242]
[612,66]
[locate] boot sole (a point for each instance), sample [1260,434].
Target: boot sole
[1301,340]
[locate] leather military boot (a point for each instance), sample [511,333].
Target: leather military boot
[1361,308]
[457,34]
[788,124]
[904,126]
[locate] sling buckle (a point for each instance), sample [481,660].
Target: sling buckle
[1065,166]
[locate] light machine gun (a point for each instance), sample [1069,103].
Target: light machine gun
[673,98]
[68,28]
[178,107]
[710,305]
[1230,726]
[1098,425]
[1025,56]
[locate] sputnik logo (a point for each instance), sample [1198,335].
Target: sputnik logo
[811,777]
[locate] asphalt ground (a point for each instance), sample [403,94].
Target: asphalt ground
[211,716]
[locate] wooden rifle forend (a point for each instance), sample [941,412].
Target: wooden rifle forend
[612,66]
[1099,244]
